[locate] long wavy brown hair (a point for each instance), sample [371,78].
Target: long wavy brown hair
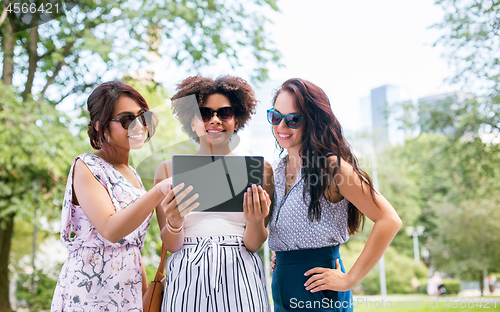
[322,137]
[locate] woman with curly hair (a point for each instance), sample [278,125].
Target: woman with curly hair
[215,265]
[321,196]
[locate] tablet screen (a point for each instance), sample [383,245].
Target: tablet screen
[219,180]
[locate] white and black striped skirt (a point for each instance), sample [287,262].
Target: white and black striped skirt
[215,274]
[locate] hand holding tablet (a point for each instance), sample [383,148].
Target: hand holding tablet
[256,203]
[172,208]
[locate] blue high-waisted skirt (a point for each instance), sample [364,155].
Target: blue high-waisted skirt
[289,292]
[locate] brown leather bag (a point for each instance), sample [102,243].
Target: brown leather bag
[153,298]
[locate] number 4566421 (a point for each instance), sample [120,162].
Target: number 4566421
[25,8]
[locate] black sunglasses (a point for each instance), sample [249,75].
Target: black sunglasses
[292,121]
[224,113]
[128,120]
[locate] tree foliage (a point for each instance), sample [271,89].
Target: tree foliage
[399,271]
[468,237]
[454,190]
[471,38]
[37,149]
[41,298]
[103,38]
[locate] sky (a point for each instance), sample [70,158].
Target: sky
[350,47]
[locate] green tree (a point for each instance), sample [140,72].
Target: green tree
[41,299]
[468,238]
[399,270]
[99,38]
[470,32]
[35,145]
[399,183]
[456,185]
[471,39]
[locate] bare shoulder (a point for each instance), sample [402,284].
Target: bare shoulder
[81,171]
[267,167]
[346,168]
[86,185]
[163,170]
[268,173]
[347,182]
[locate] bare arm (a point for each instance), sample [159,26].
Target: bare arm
[168,210]
[98,207]
[387,224]
[256,203]
[162,172]
[269,187]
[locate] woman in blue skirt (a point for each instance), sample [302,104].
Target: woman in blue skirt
[321,197]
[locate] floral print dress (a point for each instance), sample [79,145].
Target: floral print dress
[99,275]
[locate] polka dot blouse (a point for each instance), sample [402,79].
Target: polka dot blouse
[291,229]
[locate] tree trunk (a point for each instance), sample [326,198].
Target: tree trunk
[33,60]
[481,283]
[3,17]
[8,54]
[6,230]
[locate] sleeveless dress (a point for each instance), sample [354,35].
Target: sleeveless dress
[214,271]
[301,245]
[99,275]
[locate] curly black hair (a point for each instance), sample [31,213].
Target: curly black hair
[237,90]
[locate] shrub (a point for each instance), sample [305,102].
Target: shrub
[399,269]
[452,285]
[42,298]
[422,289]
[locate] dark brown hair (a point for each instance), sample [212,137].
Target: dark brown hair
[237,90]
[101,104]
[322,137]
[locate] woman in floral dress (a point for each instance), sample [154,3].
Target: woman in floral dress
[106,210]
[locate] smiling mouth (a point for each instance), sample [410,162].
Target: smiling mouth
[215,132]
[136,136]
[284,136]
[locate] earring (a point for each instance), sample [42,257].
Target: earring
[108,138]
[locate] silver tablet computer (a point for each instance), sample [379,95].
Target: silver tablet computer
[219,180]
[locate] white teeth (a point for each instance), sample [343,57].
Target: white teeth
[135,136]
[282,136]
[213,131]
